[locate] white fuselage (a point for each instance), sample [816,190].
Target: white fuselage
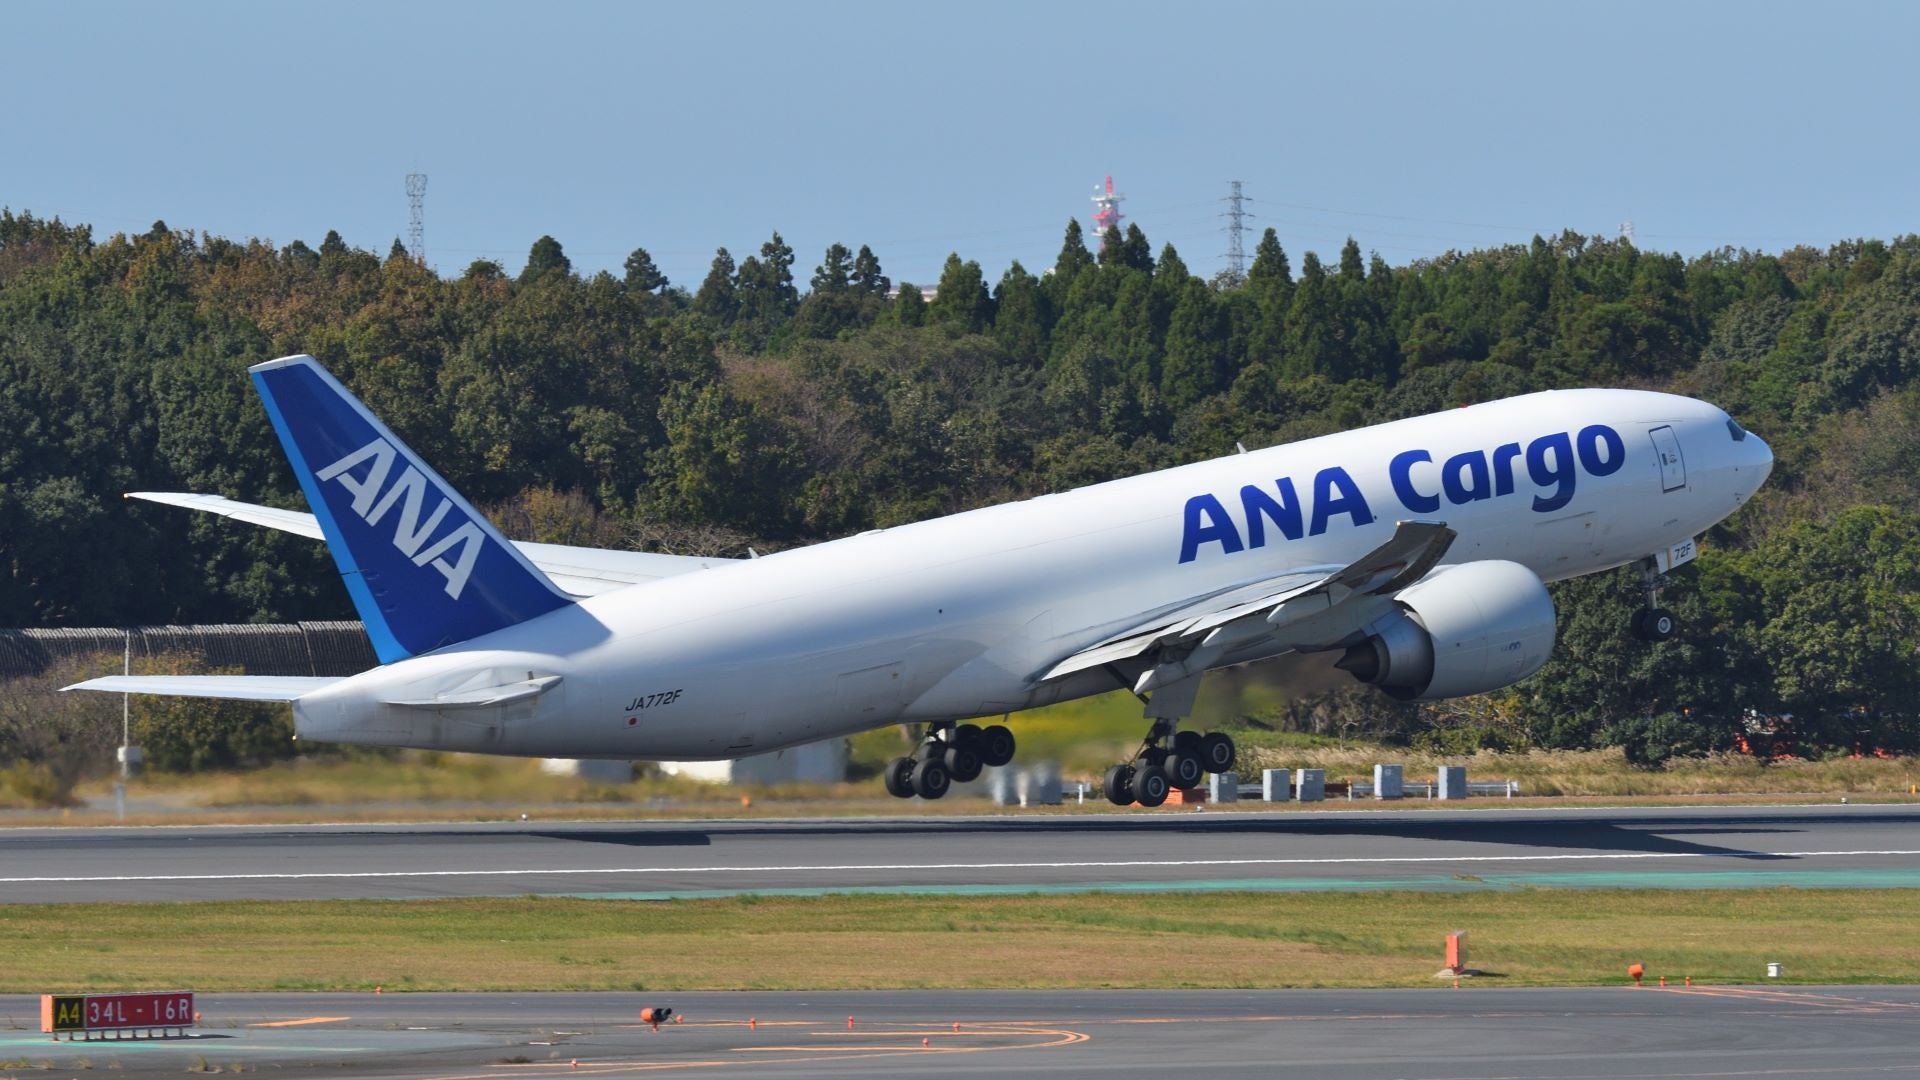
[960,616]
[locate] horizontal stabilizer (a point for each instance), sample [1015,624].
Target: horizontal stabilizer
[580,571]
[231,687]
[272,517]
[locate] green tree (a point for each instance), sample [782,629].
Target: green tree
[835,272]
[545,259]
[1270,261]
[961,301]
[716,299]
[866,273]
[1023,316]
[642,275]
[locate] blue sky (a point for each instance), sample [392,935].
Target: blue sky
[977,127]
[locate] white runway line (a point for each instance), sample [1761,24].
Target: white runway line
[870,867]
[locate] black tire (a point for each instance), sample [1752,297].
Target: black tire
[1638,624]
[1186,743]
[899,777]
[1183,770]
[1149,787]
[1217,753]
[967,735]
[996,745]
[963,763]
[930,779]
[1118,785]
[1659,625]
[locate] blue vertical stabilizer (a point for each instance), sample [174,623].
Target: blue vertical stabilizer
[425,569]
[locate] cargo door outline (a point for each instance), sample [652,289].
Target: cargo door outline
[1666,449]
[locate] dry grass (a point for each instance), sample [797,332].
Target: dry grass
[1607,773]
[453,787]
[1529,937]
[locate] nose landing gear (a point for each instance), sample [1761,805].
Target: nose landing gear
[1653,622]
[950,754]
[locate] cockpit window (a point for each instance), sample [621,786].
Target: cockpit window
[1734,429]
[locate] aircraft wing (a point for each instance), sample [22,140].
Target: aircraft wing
[580,571]
[232,687]
[1194,637]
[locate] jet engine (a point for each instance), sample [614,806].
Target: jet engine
[1460,630]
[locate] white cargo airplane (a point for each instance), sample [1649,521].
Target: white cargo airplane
[1418,548]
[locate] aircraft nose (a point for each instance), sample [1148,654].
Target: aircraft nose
[1763,456]
[1756,463]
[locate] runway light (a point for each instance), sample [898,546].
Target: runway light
[753,1023]
[849,1023]
[1635,971]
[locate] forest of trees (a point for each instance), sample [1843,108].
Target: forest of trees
[757,407]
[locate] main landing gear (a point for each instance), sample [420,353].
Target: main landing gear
[1653,622]
[1169,758]
[950,754]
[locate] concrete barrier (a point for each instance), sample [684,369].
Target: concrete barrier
[1453,781]
[1276,785]
[1223,787]
[1002,785]
[1039,785]
[1387,781]
[1312,785]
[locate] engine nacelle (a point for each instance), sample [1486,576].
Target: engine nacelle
[1461,630]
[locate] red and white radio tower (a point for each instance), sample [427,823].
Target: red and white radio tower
[1106,212]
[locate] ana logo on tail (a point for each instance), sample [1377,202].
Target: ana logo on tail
[373,498]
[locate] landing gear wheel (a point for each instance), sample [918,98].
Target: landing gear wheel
[1183,770]
[1118,785]
[962,762]
[996,745]
[930,779]
[1186,743]
[1149,787]
[967,735]
[899,778]
[1655,624]
[1218,753]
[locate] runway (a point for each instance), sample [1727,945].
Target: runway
[1812,846]
[1428,1034]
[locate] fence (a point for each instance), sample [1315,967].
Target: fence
[320,649]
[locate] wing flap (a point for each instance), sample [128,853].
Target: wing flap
[230,687]
[1195,637]
[482,697]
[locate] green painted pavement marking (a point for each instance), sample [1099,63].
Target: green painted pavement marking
[1649,879]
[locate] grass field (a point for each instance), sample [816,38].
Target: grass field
[1082,736]
[1525,937]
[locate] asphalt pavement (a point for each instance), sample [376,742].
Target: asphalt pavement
[1478,1031]
[1826,846]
